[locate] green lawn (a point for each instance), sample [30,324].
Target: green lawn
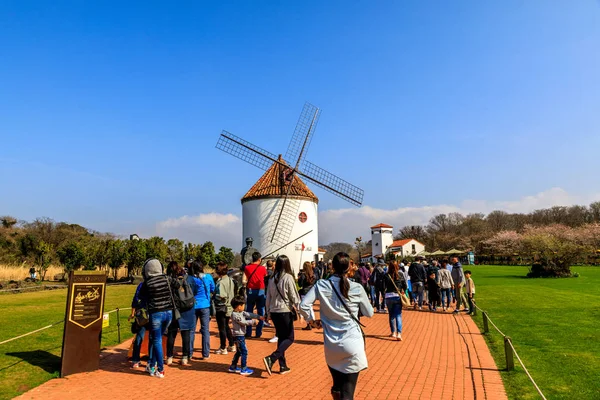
[553,324]
[30,361]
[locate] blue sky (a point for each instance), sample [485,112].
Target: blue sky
[109,111]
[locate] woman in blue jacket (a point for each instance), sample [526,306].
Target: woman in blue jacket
[206,286]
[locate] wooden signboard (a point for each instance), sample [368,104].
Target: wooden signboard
[83,322]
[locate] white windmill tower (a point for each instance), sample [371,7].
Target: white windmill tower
[280,212]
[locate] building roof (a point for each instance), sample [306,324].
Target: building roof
[402,242]
[365,255]
[382,226]
[273,183]
[322,250]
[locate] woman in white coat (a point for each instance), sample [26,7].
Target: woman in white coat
[340,300]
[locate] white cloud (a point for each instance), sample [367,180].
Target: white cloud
[221,229]
[344,225]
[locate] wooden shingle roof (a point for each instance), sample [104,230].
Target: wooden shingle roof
[274,183]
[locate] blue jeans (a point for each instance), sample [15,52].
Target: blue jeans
[418,291]
[395,313]
[202,314]
[240,351]
[137,345]
[446,295]
[256,298]
[159,323]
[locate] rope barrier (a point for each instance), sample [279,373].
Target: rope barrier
[50,326]
[527,372]
[44,287]
[32,332]
[34,287]
[537,388]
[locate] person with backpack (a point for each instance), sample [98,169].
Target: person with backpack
[206,287]
[378,282]
[157,291]
[224,294]
[184,290]
[340,302]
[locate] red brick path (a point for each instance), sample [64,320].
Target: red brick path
[442,357]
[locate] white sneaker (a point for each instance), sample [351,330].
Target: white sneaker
[231,349]
[184,361]
[394,335]
[169,360]
[221,351]
[399,337]
[274,340]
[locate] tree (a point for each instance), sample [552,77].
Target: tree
[207,254]
[555,248]
[175,250]
[72,256]
[157,248]
[117,256]
[503,243]
[8,222]
[225,255]
[44,258]
[136,255]
[333,248]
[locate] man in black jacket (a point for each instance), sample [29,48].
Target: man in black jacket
[418,275]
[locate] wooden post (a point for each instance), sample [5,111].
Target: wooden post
[486,325]
[510,362]
[118,326]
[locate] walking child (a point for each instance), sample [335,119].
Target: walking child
[434,292]
[470,286]
[241,320]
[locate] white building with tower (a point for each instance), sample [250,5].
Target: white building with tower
[261,207]
[383,244]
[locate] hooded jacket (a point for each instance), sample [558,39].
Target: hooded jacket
[156,289]
[457,274]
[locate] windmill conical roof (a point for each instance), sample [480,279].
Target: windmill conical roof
[274,185]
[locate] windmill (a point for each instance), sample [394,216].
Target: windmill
[283,182]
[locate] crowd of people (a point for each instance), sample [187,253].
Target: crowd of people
[175,300]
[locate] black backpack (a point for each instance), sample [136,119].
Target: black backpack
[184,296]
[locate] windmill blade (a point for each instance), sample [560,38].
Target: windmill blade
[332,183]
[246,151]
[280,229]
[304,131]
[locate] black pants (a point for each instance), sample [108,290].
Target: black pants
[185,342]
[345,384]
[284,330]
[224,329]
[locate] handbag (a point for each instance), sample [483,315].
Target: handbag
[141,316]
[404,300]
[360,324]
[291,307]
[176,313]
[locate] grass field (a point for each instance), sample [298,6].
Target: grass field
[553,324]
[30,361]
